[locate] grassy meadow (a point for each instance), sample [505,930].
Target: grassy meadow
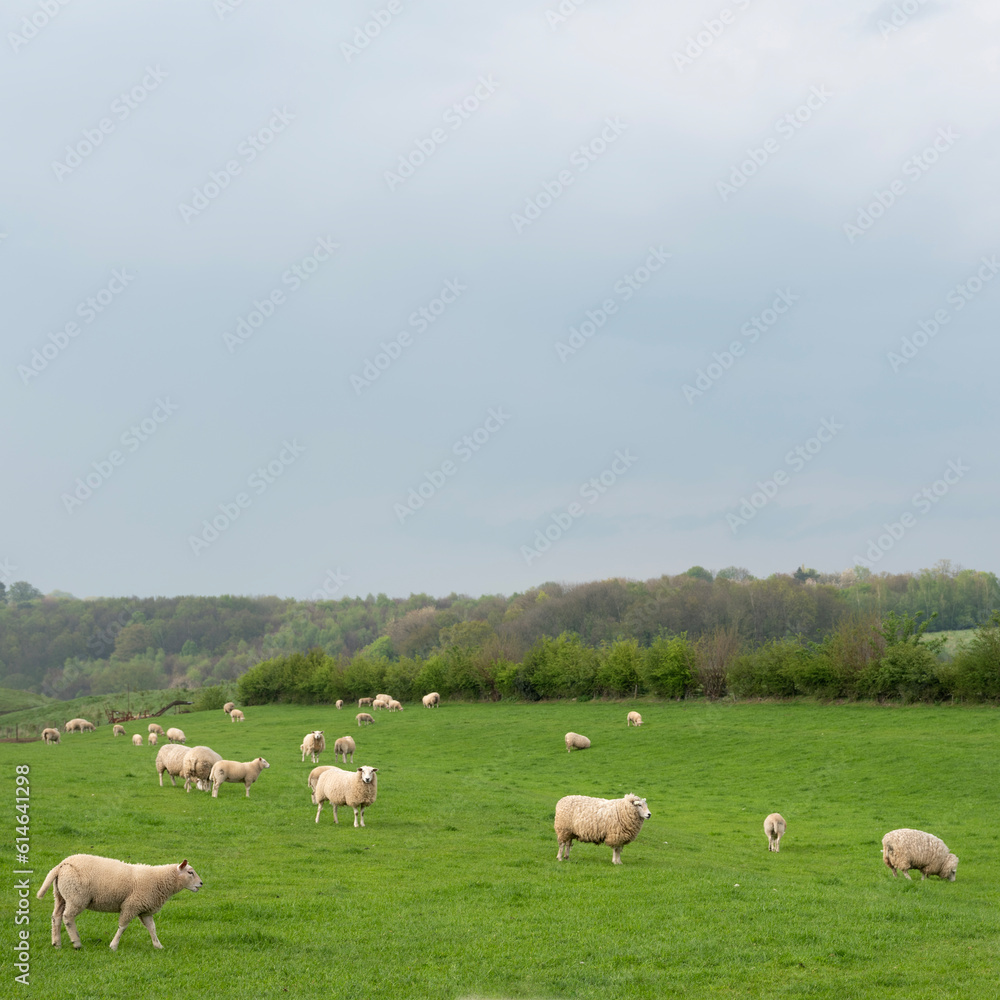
[453,889]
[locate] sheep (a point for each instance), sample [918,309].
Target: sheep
[315,773]
[151,739]
[340,703]
[236,715]
[233,770]
[313,744]
[905,849]
[384,697]
[170,758]
[137,739]
[432,700]
[176,735]
[155,727]
[196,766]
[634,719]
[228,707]
[344,746]
[380,702]
[364,719]
[50,735]
[79,726]
[774,827]
[395,706]
[615,822]
[356,789]
[364,701]
[118,730]
[88,882]
[576,741]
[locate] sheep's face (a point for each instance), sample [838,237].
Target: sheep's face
[317,734]
[262,762]
[950,868]
[194,882]
[640,807]
[367,774]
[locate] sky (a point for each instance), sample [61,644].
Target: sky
[322,300]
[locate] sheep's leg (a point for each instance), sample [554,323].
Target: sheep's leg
[906,874]
[356,815]
[318,811]
[57,915]
[247,786]
[333,805]
[150,925]
[616,855]
[123,922]
[69,919]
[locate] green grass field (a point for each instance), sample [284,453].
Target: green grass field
[453,889]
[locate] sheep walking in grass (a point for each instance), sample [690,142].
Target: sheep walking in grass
[50,735]
[774,827]
[88,882]
[155,727]
[196,766]
[905,849]
[234,771]
[313,745]
[362,702]
[344,746]
[432,700]
[170,758]
[574,741]
[137,739]
[356,789]
[633,719]
[236,715]
[364,719]
[615,822]
[176,735]
[117,730]
[79,726]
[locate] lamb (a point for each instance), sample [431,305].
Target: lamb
[344,746]
[234,770]
[155,727]
[176,735]
[905,849]
[356,789]
[137,739]
[615,822]
[79,726]
[88,882]
[118,730]
[50,735]
[432,700]
[634,719]
[395,706]
[236,715]
[315,773]
[228,707]
[364,701]
[196,766]
[151,739]
[170,758]
[313,744]
[364,718]
[774,827]
[340,703]
[576,741]
[380,702]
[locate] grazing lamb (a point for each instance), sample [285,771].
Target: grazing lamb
[340,703]
[117,730]
[137,739]
[233,770]
[155,727]
[315,773]
[634,719]
[50,735]
[356,789]
[615,822]
[380,702]
[432,700]
[151,739]
[236,715]
[88,882]
[79,726]
[197,765]
[774,827]
[170,758]
[228,707]
[364,701]
[395,706]
[344,746]
[313,744]
[905,849]
[574,741]
[176,735]
[364,719]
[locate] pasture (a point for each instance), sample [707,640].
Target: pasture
[453,888]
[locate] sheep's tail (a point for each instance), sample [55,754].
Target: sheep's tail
[49,879]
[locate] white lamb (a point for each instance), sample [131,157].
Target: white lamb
[79,726]
[234,770]
[88,882]
[356,789]
[151,739]
[774,827]
[170,758]
[236,715]
[137,739]
[362,702]
[395,706]
[315,773]
[634,719]
[340,703]
[117,730]
[364,719]
[344,746]
[905,849]
[574,741]
[615,822]
[228,707]
[50,735]
[380,702]
[197,765]
[432,700]
[313,744]
[176,735]
[155,727]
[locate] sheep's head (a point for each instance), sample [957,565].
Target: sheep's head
[367,774]
[642,810]
[194,882]
[317,734]
[949,868]
[261,762]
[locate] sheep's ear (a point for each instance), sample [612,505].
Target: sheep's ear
[183,865]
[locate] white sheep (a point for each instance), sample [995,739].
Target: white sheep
[633,719]
[395,706]
[356,789]
[344,746]
[176,735]
[315,773]
[340,703]
[197,766]
[79,726]
[228,707]
[137,739]
[774,827]
[155,727]
[88,882]
[364,719]
[50,735]
[117,730]
[151,739]
[574,741]
[313,744]
[364,701]
[380,702]
[432,700]
[384,697]
[905,849]
[615,822]
[236,715]
[170,758]
[234,770]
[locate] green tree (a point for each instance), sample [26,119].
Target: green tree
[22,592]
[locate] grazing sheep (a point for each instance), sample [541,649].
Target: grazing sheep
[88,882]
[774,827]
[236,715]
[313,744]
[170,758]
[151,739]
[615,822]
[176,735]
[50,735]
[137,739]
[155,727]
[228,707]
[634,719]
[364,719]
[905,849]
[395,706]
[384,697]
[364,701]
[117,730]
[315,773]
[380,702]
[340,703]
[344,746]
[197,765]
[432,700]
[356,789]
[233,770]
[79,726]
[576,741]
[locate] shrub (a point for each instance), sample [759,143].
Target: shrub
[768,672]
[669,667]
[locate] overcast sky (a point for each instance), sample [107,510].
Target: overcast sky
[324,299]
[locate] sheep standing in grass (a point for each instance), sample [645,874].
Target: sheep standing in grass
[236,715]
[344,746]
[774,827]
[615,822]
[432,700]
[364,701]
[155,727]
[79,726]
[137,739]
[905,849]
[574,741]
[356,789]
[50,735]
[364,719]
[395,706]
[117,730]
[228,707]
[87,882]
[197,765]
[315,773]
[234,770]
[340,703]
[176,735]
[634,719]
[380,703]
[313,744]
[151,739]
[170,758]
